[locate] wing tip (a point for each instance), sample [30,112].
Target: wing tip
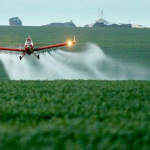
[74,39]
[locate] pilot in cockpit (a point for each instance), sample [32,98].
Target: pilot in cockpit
[28,41]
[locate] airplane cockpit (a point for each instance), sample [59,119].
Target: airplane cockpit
[28,41]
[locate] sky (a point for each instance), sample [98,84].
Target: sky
[82,12]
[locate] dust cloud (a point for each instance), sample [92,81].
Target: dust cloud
[90,63]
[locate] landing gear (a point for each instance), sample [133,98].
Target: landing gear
[20,57]
[38,56]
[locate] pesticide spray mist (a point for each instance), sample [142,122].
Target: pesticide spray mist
[90,63]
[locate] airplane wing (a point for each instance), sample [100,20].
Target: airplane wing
[11,50]
[69,43]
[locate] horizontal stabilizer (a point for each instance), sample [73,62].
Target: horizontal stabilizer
[19,45]
[34,45]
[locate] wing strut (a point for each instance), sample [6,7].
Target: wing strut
[22,56]
[38,56]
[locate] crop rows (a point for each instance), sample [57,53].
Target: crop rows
[74,114]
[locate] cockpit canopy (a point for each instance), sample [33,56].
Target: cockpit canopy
[28,40]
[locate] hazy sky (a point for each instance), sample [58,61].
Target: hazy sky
[35,12]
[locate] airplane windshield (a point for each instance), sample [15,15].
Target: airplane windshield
[28,40]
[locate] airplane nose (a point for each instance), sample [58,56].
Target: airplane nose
[28,46]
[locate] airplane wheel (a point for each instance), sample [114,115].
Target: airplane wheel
[20,57]
[38,56]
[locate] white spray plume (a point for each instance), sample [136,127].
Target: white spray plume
[91,63]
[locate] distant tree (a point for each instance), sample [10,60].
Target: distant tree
[126,25]
[69,24]
[60,24]
[15,21]
[97,24]
[101,24]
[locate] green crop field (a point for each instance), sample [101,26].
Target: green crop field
[74,114]
[77,114]
[129,45]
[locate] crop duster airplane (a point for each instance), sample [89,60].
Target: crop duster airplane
[29,48]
